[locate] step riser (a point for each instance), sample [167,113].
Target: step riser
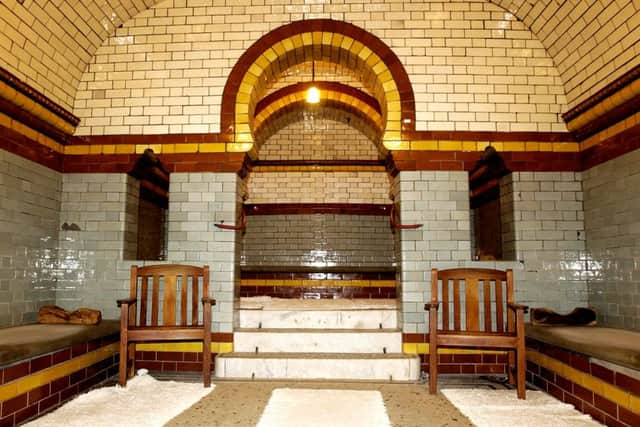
[310,342]
[344,319]
[333,369]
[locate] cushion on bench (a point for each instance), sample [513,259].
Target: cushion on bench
[26,341]
[618,346]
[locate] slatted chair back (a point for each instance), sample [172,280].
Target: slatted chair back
[473,300]
[167,302]
[474,308]
[168,295]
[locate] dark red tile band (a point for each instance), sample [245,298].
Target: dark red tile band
[37,96]
[321,85]
[368,209]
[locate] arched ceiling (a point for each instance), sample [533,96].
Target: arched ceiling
[49,44]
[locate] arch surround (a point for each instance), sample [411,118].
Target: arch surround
[315,37]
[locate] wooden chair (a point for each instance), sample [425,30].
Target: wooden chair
[163,305]
[472,303]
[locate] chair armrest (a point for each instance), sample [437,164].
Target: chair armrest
[431,305]
[516,307]
[129,301]
[207,300]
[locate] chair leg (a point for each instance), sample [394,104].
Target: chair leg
[433,369]
[521,367]
[206,364]
[122,368]
[132,359]
[511,367]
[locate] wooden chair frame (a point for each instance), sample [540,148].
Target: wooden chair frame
[498,335]
[136,326]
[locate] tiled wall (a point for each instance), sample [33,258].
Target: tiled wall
[197,201]
[587,39]
[472,66]
[95,261]
[612,219]
[92,259]
[467,45]
[318,240]
[318,139]
[547,209]
[29,215]
[318,187]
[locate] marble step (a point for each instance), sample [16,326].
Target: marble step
[318,366]
[320,319]
[317,341]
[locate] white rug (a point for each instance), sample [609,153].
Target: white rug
[145,402]
[501,408]
[322,408]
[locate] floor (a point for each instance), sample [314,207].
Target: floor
[240,403]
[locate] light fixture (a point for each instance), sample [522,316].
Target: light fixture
[313,94]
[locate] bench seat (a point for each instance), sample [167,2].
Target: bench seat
[594,368]
[24,342]
[617,346]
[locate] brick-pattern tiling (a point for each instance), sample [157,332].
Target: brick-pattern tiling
[319,291]
[50,46]
[318,240]
[196,202]
[472,66]
[318,139]
[171,361]
[40,400]
[318,187]
[29,215]
[543,229]
[105,208]
[597,29]
[549,260]
[611,209]
[585,400]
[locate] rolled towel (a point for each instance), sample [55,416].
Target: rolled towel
[578,316]
[53,314]
[85,316]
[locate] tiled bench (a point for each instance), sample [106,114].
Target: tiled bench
[596,369]
[43,366]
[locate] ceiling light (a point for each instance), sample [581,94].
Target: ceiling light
[313,94]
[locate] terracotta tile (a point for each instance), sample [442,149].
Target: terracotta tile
[627,383]
[580,362]
[602,373]
[26,413]
[61,356]
[8,421]
[39,393]
[48,403]
[583,393]
[69,393]
[16,371]
[573,400]
[595,413]
[40,363]
[605,405]
[13,405]
[628,417]
[60,384]
[555,391]
[174,356]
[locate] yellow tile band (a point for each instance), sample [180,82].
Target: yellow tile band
[185,347]
[596,385]
[423,348]
[40,378]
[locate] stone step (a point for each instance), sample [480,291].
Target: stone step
[318,366]
[320,319]
[318,341]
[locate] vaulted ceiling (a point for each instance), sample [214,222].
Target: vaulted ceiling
[49,44]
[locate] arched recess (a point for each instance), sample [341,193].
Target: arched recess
[374,62]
